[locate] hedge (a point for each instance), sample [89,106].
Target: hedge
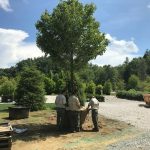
[131,95]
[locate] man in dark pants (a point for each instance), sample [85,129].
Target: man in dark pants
[94,104]
[60,107]
[74,116]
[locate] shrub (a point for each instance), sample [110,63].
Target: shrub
[131,95]
[50,106]
[49,85]
[145,86]
[60,85]
[120,85]
[90,89]
[107,88]
[99,89]
[30,90]
[7,90]
[133,82]
[100,98]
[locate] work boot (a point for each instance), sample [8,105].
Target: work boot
[95,130]
[78,130]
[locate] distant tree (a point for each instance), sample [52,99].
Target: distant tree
[147,60]
[137,67]
[133,82]
[71,35]
[3,79]
[8,72]
[146,87]
[24,63]
[120,85]
[7,89]
[86,74]
[107,87]
[30,90]
[147,54]
[60,85]
[111,74]
[100,76]
[126,62]
[50,85]
[90,89]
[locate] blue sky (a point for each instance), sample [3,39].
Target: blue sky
[125,23]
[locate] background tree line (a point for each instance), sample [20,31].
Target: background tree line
[129,75]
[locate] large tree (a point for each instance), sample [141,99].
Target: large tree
[71,35]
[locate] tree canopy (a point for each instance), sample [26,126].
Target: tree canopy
[71,35]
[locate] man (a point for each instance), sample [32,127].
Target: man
[60,107]
[94,104]
[74,116]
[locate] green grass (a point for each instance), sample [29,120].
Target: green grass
[34,117]
[50,106]
[4,107]
[4,112]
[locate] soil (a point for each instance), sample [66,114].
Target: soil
[42,134]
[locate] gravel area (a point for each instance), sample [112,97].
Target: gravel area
[50,98]
[141,142]
[134,112]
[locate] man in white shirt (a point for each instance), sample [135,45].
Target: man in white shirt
[60,107]
[74,115]
[94,104]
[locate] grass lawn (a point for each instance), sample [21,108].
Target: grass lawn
[4,114]
[50,106]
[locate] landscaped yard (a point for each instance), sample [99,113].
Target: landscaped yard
[41,132]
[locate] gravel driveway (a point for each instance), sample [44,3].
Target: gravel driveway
[134,112]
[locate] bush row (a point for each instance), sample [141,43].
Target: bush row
[131,95]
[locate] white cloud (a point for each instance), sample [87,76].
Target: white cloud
[117,51]
[4,4]
[13,48]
